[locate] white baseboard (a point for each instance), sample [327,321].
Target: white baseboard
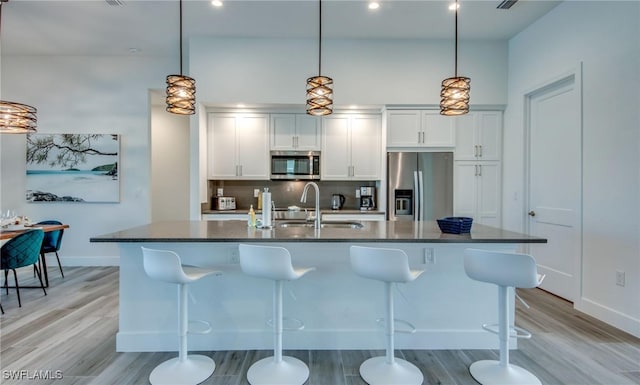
[613,317]
[89,261]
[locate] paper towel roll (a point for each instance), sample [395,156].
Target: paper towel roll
[266,208]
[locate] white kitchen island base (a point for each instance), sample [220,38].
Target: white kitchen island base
[339,309]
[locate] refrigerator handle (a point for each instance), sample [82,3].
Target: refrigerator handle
[416,194]
[421,196]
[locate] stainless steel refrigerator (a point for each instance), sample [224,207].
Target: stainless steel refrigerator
[420,185]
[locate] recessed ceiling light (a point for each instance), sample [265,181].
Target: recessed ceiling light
[134,50]
[216,3]
[374,5]
[453,6]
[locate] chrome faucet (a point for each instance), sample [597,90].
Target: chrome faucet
[303,199]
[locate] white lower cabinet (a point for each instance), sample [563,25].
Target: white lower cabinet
[238,146]
[478,191]
[351,147]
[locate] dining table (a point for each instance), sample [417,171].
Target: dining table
[7,233]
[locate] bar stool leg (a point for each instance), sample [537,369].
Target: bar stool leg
[184,369]
[279,369]
[390,370]
[488,372]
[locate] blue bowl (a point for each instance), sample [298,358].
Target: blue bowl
[455,225]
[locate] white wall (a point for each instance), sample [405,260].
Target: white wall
[85,95]
[605,37]
[169,165]
[365,72]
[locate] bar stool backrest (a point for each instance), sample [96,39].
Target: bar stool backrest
[164,265]
[271,262]
[501,268]
[388,265]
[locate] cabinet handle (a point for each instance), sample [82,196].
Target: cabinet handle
[240,168]
[293,141]
[479,170]
[476,173]
[532,213]
[475,151]
[419,140]
[480,150]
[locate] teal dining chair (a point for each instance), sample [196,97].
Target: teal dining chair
[51,244]
[20,251]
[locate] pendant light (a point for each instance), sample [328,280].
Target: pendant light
[181,89]
[454,96]
[16,118]
[319,88]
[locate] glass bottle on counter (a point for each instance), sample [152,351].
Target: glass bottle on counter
[252,217]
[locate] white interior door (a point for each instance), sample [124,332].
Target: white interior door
[554,183]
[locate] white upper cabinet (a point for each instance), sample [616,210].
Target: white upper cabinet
[351,147]
[419,128]
[479,136]
[295,132]
[238,146]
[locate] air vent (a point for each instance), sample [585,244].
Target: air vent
[506,4]
[115,3]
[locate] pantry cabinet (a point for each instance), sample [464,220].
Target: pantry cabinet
[479,136]
[478,191]
[295,132]
[419,128]
[238,146]
[351,147]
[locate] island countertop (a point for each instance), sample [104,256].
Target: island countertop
[372,231]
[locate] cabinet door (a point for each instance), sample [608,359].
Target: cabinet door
[439,130]
[489,194]
[466,140]
[283,131]
[336,152]
[489,135]
[252,133]
[403,128]
[221,137]
[479,136]
[465,189]
[365,147]
[307,132]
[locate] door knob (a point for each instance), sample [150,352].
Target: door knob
[532,213]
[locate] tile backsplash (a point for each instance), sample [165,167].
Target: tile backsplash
[288,193]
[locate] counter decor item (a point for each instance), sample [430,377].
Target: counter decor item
[455,225]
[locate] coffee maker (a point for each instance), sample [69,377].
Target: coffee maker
[367,198]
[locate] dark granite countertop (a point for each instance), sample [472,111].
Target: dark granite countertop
[372,231]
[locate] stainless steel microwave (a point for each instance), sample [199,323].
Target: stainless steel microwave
[295,165]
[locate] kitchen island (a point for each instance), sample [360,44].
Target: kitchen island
[338,308]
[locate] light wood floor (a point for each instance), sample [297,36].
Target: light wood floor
[72,330]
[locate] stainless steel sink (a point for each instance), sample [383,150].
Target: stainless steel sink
[323,224]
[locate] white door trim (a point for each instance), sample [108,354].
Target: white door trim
[573,75]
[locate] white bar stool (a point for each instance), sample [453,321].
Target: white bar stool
[165,265]
[274,263]
[389,266]
[506,270]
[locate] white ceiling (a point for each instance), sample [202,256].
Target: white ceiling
[93,27]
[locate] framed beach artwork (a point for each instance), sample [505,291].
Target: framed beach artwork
[73,168]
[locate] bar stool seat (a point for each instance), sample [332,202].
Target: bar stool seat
[390,266]
[165,265]
[506,270]
[274,263]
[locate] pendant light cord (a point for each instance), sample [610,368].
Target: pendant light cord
[180,37]
[319,37]
[456,44]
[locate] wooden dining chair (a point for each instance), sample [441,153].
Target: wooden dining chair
[20,251]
